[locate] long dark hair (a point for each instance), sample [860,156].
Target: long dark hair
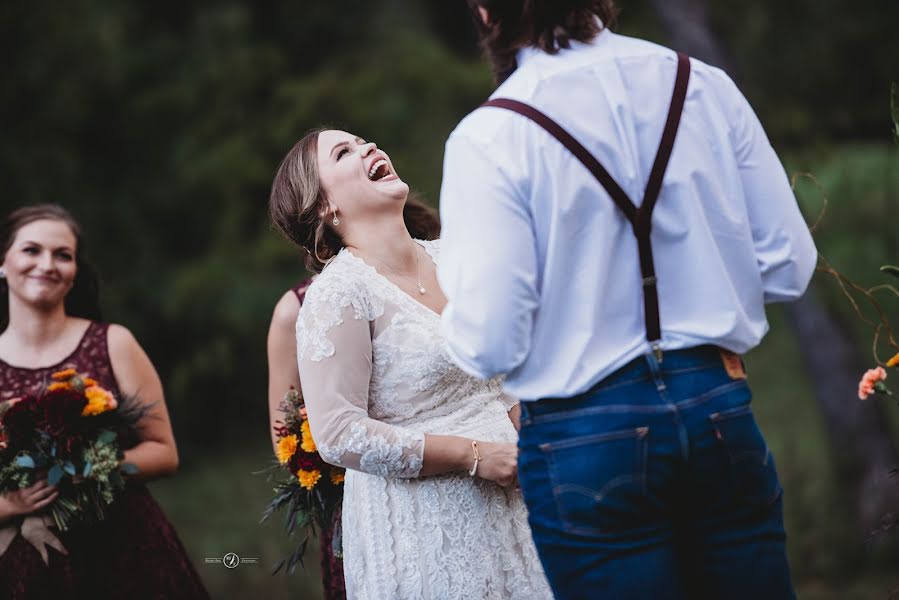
[549,25]
[298,200]
[83,300]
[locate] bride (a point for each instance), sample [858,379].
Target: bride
[430,507]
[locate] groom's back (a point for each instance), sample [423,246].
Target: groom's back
[613,96]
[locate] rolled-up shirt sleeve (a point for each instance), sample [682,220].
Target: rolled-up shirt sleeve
[488,264]
[784,247]
[334,355]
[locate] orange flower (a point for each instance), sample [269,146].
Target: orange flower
[98,401]
[869,381]
[308,479]
[337,477]
[88,382]
[308,444]
[287,447]
[64,375]
[893,362]
[59,385]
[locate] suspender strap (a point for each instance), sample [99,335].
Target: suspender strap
[639,218]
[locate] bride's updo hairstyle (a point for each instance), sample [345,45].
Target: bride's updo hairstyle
[298,206]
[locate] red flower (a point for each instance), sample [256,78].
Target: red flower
[306,461]
[59,414]
[20,421]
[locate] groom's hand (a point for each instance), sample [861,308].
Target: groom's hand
[499,462]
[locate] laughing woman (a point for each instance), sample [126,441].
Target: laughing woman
[422,222]
[49,321]
[430,508]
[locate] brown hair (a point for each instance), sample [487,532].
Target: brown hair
[298,201]
[83,300]
[545,24]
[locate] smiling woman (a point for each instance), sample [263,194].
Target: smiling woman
[50,323]
[421,439]
[361,183]
[80,288]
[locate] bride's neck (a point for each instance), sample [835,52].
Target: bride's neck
[388,242]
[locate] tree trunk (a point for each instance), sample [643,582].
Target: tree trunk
[858,437]
[860,442]
[687,23]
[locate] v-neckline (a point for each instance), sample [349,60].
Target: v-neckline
[386,280]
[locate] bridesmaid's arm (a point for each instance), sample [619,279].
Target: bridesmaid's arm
[156,455]
[515,416]
[282,357]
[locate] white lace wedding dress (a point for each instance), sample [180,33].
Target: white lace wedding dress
[376,378]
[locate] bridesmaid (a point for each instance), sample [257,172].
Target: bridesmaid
[424,224]
[50,320]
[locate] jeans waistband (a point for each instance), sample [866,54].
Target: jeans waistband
[641,368]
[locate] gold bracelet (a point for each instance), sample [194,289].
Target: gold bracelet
[477,458]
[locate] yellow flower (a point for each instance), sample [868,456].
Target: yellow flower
[98,401]
[58,385]
[337,477]
[64,375]
[893,362]
[308,444]
[308,479]
[287,446]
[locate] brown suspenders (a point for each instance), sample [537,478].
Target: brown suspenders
[640,217]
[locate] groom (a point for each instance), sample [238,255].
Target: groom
[614,222]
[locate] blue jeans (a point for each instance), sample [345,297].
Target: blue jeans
[656,484]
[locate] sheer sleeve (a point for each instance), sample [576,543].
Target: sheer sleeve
[509,401]
[334,355]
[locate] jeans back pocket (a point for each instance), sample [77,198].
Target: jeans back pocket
[754,478]
[598,480]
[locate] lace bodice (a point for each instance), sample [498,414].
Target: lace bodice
[375,374]
[91,356]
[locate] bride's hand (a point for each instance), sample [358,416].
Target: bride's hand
[499,462]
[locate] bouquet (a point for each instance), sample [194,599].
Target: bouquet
[68,433]
[313,491]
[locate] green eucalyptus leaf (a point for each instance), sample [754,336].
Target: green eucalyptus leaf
[69,468]
[88,467]
[130,469]
[107,437]
[25,461]
[54,475]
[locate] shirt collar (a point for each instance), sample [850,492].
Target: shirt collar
[529,52]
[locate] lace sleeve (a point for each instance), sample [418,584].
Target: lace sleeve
[334,355]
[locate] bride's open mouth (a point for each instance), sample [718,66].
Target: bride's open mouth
[380,170]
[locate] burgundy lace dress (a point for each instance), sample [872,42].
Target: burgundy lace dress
[332,567]
[133,554]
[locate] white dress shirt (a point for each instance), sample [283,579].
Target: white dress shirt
[541,268]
